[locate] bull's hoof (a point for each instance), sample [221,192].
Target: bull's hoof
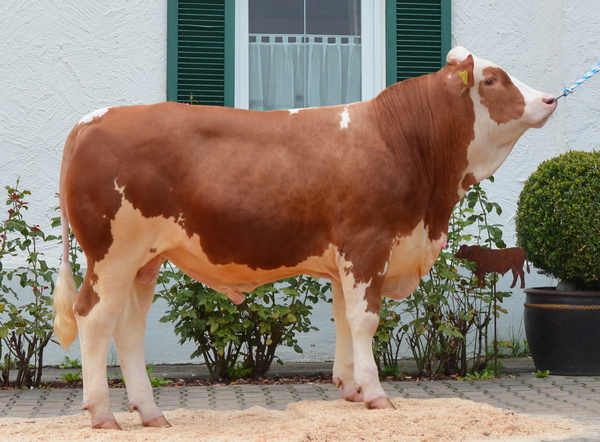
[379,403]
[157,422]
[354,397]
[107,425]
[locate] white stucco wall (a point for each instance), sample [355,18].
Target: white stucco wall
[547,45]
[61,59]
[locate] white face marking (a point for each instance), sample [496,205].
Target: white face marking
[345,119]
[492,141]
[293,111]
[536,111]
[97,113]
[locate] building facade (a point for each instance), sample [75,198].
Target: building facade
[62,59]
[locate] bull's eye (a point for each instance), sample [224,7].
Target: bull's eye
[490,81]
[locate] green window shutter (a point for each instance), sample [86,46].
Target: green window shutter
[200,51]
[417,37]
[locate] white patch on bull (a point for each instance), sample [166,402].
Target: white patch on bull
[345,119]
[120,189]
[410,259]
[96,114]
[293,111]
[385,268]
[134,235]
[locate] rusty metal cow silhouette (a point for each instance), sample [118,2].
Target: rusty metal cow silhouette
[496,261]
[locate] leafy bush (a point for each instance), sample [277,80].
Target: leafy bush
[25,328]
[447,322]
[558,221]
[238,341]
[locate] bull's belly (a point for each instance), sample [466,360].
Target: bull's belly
[411,258]
[234,280]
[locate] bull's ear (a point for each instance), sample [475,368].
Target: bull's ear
[457,54]
[460,74]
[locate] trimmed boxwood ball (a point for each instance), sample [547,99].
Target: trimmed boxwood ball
[558,218]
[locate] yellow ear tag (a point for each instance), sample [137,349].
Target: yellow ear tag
[464,75]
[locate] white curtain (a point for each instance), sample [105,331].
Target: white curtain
[295,71]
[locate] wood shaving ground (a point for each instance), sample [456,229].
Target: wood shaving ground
[413,420]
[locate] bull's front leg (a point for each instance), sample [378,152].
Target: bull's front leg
[362,315]
[343,365]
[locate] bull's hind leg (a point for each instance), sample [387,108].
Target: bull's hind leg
[363,319]
[96,313]
[343,365]
[129,338]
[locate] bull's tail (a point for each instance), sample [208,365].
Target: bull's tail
[65,291]
[527,264]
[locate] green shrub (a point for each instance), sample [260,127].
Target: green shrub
[558,218]
[238,341]
[25,327]
[71,376]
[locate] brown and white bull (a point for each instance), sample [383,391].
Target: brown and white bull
[360,194]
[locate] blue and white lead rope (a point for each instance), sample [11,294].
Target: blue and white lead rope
[569,90]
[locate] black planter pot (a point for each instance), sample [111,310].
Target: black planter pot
[563,330]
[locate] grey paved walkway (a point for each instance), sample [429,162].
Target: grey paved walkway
[572,397]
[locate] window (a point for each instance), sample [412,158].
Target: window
[303,53]
[210,54]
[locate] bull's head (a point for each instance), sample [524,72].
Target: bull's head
[504,108]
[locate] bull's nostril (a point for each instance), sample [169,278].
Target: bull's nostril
[549,99]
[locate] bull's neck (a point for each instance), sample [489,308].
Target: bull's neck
[427,130]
